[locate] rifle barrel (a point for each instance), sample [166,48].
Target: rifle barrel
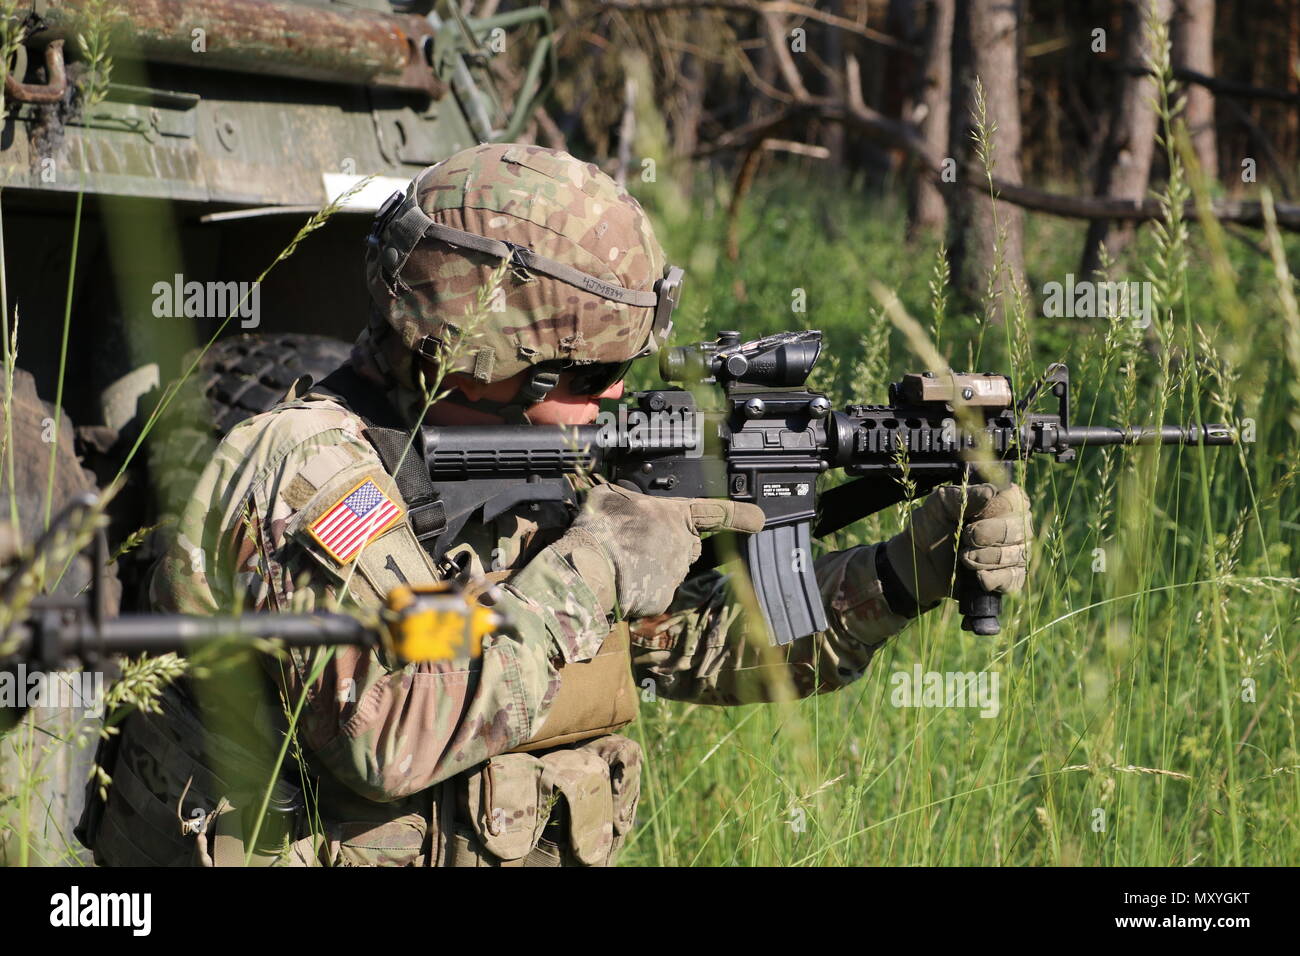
[1150,435]
[152,634]
[160,633]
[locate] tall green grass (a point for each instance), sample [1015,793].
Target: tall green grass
[1147,674]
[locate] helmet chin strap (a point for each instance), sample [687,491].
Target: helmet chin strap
[537,385]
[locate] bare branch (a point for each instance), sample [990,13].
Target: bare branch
[799,149]
[904,136]
[1219,86]
[752,6]
[784,61]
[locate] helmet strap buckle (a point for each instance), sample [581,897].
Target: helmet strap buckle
[539,384]
[518,263]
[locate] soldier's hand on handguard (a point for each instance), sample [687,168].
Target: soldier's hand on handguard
[634,550]
[996,531]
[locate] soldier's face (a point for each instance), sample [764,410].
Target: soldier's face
[560,407]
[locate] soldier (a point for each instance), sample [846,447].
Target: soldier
[511,757]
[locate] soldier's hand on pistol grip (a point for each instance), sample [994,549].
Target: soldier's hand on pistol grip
[996,531]
[634,550]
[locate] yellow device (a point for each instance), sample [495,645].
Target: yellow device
[437,622]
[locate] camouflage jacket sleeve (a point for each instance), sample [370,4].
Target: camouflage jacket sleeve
[699,650]
[246,540]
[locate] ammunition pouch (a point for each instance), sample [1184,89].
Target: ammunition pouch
[548,802]
[364,833]
[568,807]
[545,803]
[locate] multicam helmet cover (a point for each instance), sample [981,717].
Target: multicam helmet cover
[586,281]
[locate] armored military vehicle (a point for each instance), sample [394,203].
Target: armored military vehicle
[156,157]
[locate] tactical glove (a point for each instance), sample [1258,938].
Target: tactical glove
[634,550]
[996,531]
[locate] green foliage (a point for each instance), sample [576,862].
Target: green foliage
[1127,734]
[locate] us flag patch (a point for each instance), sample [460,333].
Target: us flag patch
[362,515]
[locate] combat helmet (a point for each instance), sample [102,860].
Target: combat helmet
[585,285]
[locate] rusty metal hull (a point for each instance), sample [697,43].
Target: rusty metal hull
[213,147]
[243,102]
[264,37]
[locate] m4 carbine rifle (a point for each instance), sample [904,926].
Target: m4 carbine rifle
[765,440]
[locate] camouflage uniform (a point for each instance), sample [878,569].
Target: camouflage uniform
[462,762]
[387,735]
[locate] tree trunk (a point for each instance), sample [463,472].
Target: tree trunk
[927,211]
[986,45]
[1193,38]
[833,85]
[1126,161]
[1292,57]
